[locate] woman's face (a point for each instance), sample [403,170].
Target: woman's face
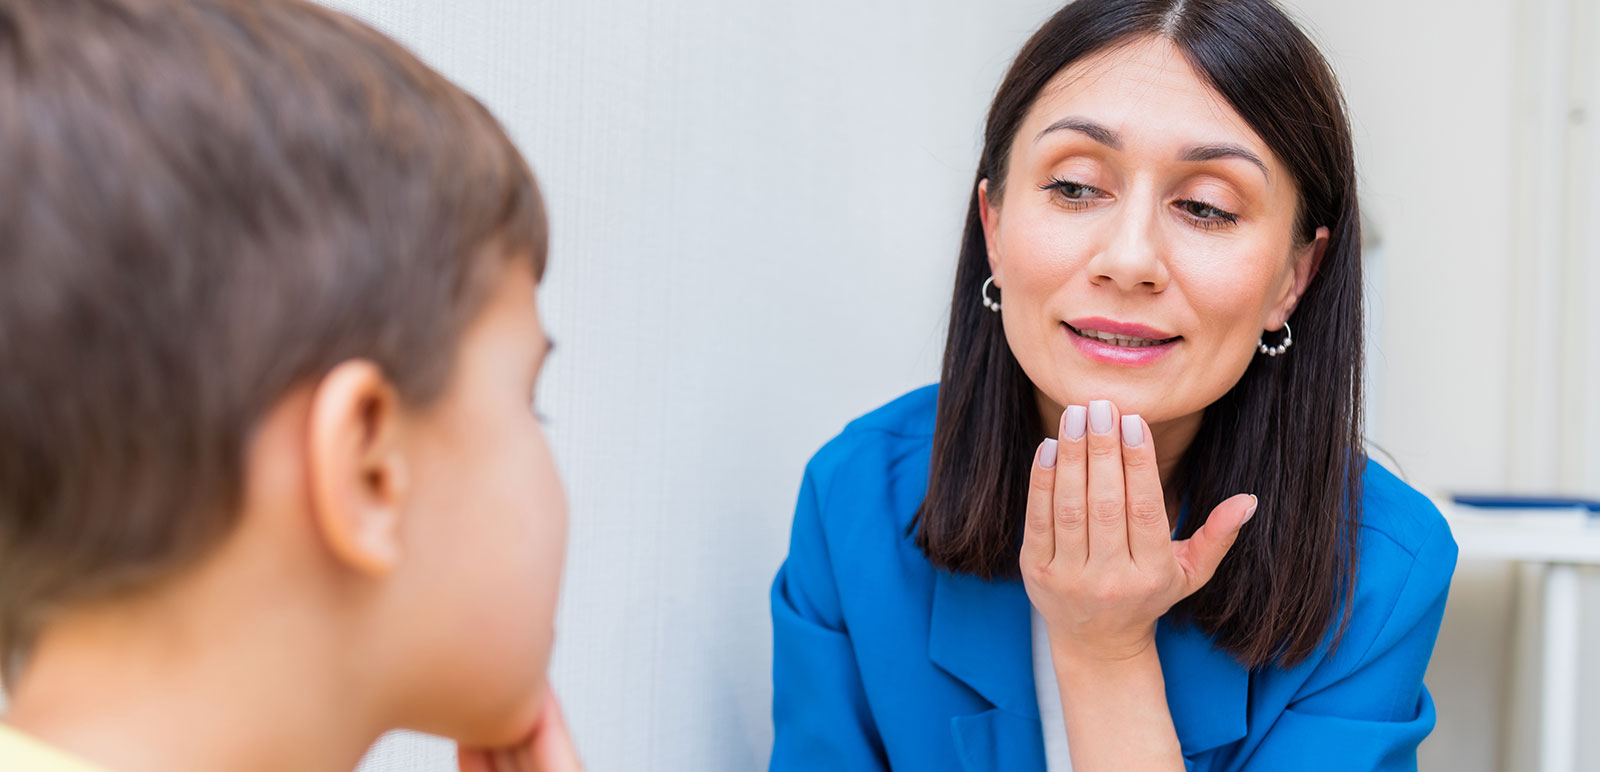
[1138,204]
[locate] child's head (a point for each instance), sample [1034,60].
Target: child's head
[267,327]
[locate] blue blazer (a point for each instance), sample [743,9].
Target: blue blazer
[882,661]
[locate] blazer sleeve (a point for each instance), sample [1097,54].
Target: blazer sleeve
[819,705]
[1374,715]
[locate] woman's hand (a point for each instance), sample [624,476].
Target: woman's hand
[547,748]
[1098,558]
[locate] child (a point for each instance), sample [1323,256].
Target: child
[270,483]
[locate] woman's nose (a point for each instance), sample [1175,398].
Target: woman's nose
[1133,256]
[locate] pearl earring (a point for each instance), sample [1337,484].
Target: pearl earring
[1272,351]
[983,292]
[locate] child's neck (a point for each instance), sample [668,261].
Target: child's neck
[162,686]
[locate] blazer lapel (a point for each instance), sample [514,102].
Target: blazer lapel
[1208,692]
[980,635]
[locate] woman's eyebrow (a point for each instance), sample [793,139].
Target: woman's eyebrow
[1085,127]
[1105,136]
[1225,150]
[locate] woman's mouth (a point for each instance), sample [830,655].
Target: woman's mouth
[1126,341]
[1118,343]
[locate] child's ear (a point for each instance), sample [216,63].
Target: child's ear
[356,471]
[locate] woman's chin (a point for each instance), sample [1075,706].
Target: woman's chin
[1081,391]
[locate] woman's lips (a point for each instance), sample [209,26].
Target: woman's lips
[1114,327]
[1149,345]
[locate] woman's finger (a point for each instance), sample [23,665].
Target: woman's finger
[1200,554]
[1038,535]
[1070,501]
[1149,534]
[1108,522]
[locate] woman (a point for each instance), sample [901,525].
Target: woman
[1133,526]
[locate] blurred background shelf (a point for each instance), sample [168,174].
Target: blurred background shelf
[1561,540]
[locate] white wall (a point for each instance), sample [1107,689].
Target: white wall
[755,211]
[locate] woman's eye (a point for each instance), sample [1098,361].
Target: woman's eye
[1204,212]
[1073,190]
[1067,190]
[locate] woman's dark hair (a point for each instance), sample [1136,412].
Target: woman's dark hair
[1288,431]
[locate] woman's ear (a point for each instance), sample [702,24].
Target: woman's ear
[1307,261]
[989,215]
[356,471]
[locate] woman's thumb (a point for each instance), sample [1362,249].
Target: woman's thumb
[1200,554]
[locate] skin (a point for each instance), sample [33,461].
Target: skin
[1111,215]
[393,566]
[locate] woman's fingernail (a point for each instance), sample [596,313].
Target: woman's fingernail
[1100,416]
[1074,421]
[1047,454]
[1250,511]
[1132,431]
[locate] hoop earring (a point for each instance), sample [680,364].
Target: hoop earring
[983,292]
[1272,351]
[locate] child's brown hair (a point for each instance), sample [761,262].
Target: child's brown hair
[203,204]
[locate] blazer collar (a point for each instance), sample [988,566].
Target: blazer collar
[980,634]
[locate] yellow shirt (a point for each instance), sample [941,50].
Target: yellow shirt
[21,752]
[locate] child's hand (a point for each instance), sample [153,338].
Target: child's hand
[548,748]
[1098,558]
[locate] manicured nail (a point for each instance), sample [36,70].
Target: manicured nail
[1250,511]
[1132,431]
[1047,454]
[1074,421]
[1100,416]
